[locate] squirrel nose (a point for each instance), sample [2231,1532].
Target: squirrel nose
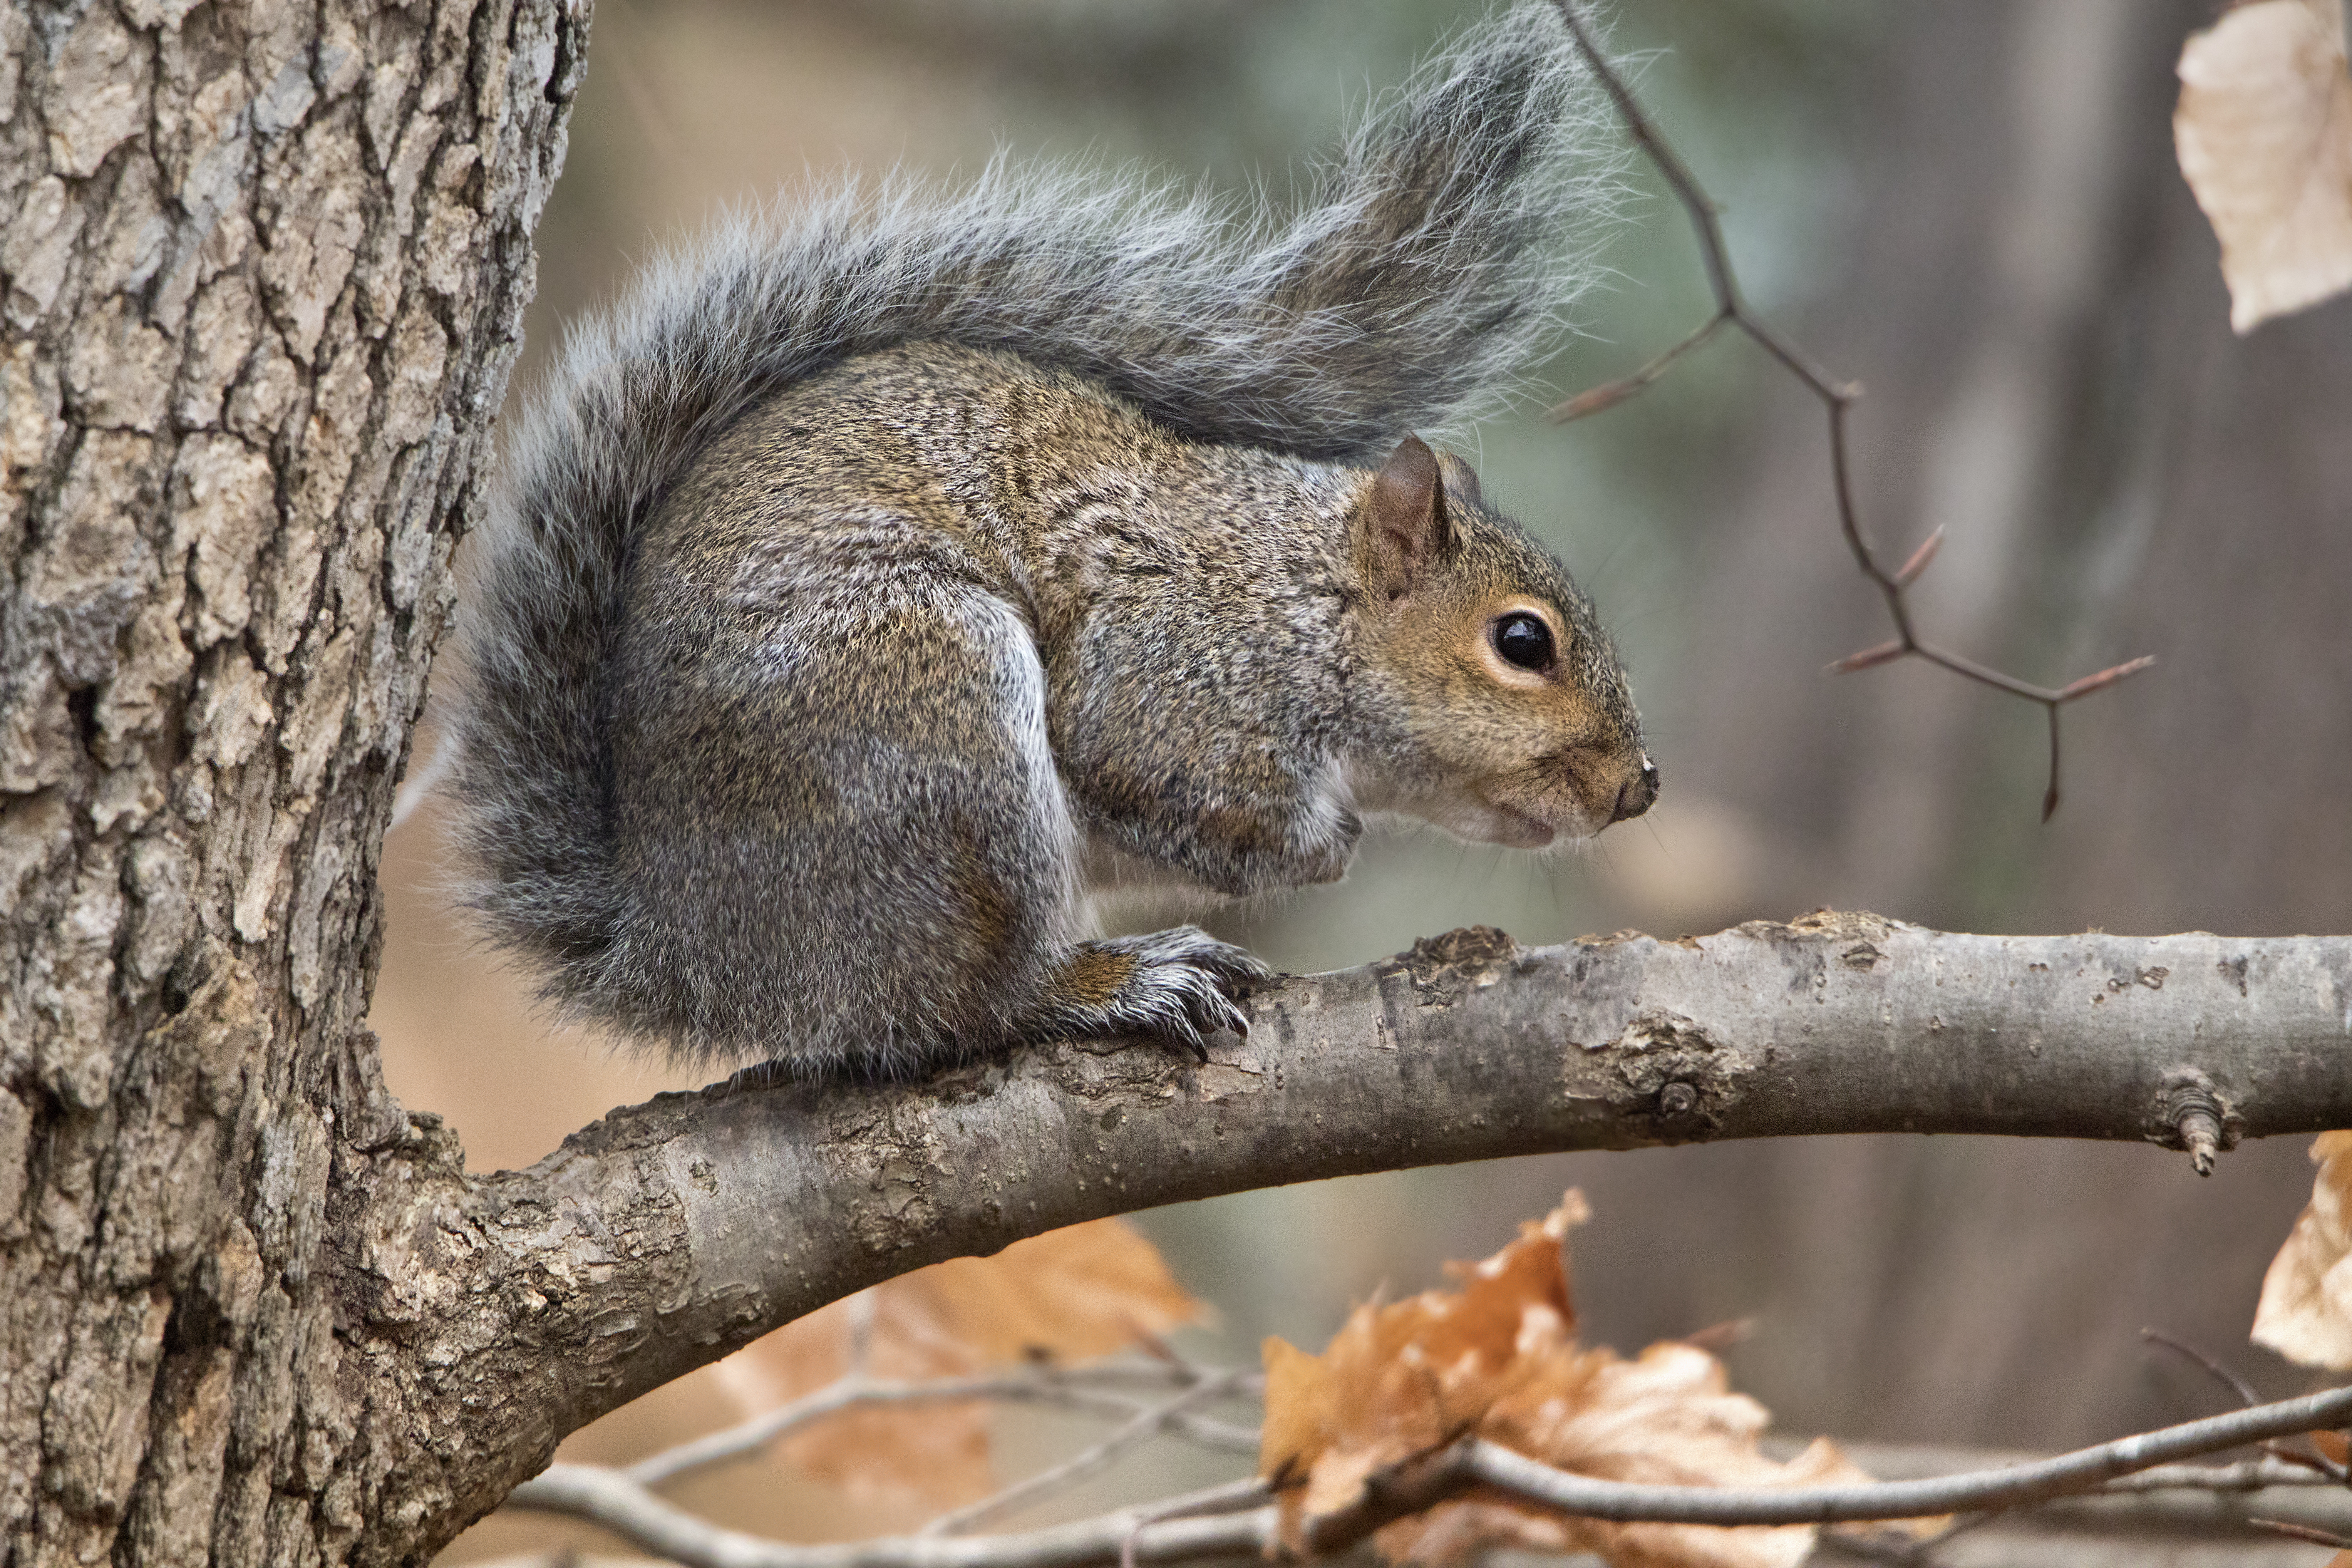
[1634,798]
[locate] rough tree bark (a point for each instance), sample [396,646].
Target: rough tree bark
[263,271]
[265,266]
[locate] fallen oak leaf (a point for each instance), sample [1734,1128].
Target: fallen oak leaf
[1497,1358]
[2305,1311]
[1668,1417]
[1069,1295]
[2263,133]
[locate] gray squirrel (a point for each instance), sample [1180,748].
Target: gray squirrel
[878,581]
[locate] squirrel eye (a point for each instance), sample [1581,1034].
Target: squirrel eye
[1523,639]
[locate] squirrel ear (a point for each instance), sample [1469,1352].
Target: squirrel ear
[1461,483]
[1405,531]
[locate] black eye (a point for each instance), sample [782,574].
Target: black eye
[1523,639]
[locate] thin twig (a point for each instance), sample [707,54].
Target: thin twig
[1232,1498]
[1084,1389]
[1410,1488]
[1891,1550]
[1837,396]
[860,1310]
[1147,1423]
[1157,1534]
[2319,1463]
[1610,393]
[2212,1368]
[2245,1476]
[610,1498]
[2008,1486]
[2302,1532]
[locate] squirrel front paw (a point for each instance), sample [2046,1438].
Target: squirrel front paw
[1177,986]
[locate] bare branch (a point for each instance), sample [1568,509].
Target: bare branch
[696,1222]
[2245,1476]
[1610,393]
[2303,1532]
[1412,1487]
[2010,1487]
[2237,1386]
[1079,1388]
[1837,397]
[2142,1464]
[2171,1497]
[1087,1461]
[620,1505]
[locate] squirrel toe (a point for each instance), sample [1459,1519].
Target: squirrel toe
[1179,986]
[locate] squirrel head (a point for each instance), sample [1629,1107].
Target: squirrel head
[1502,713]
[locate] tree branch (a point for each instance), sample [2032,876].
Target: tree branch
[668,1234]
[1837,397]
[1089,1389]
[2014,1486]
[1129,1536]
[1090,1460]
[2122,1471]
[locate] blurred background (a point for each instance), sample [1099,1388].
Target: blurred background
[1973,210]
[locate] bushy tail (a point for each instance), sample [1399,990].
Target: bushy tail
[1442,245]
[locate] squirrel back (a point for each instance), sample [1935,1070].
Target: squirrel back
[1438,253]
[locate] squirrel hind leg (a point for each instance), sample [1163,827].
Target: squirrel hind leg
[1179,986]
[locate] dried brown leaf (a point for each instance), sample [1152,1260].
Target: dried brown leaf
[2306,1313]
[2263,132]
[1068,1295]
[1497,1358]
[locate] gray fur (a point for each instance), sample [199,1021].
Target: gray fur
[616,834]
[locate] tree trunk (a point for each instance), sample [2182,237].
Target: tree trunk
[265,266]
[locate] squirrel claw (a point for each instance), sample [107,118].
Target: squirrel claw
[1184,987]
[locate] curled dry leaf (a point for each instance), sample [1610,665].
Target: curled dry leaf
[2264,131]
[2306,1313]
[1069,1295]
[1497,1358]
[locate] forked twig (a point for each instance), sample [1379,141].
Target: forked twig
[2212,1368]
[2247,1396]
[1230,1519]
[2301,1532]
[1414,1486]
[1731,308]
[1094,1389]
[1147,1423]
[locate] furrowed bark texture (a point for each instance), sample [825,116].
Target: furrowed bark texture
[262,270]
[668,1234]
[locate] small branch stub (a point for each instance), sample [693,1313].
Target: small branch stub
[2196,1120]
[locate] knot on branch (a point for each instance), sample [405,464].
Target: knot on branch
[1837,925]
[2195,1119]
[1667,1065]
[1440,967]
